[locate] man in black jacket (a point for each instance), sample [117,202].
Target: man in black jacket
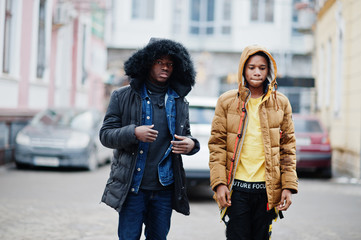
[147,125]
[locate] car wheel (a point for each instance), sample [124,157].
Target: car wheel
[21,165]
[326,172]
[93,160]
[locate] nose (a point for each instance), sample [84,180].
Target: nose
[257,72]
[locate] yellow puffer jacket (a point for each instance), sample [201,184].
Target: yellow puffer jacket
[277,130]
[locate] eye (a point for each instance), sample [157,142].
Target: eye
[170,64]
[159,62]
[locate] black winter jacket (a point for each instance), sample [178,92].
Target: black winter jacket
[124,114]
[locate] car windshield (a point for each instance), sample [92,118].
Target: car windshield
[201,115]
[307,125]
[81,120]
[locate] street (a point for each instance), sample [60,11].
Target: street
[65,204]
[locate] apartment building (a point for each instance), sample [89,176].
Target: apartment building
[52,53]
[337,57]
[215,32]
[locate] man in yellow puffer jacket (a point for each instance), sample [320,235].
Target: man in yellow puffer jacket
[253,149]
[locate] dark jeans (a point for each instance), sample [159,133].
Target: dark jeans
[248,217]
[153,208]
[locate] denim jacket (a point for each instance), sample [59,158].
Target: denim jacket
[165,170]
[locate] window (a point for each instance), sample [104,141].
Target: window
[7,36]
[202,17]
[307,126]
[210,17]
[10,37]
[226,17]
[143,9]
[40,66]
[84,73]
[338,86]
[177,17]
[201,114]
[262,10]
[328,71]
[320,78]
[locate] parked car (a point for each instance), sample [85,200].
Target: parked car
[313,145]
[62,137]
[201,112]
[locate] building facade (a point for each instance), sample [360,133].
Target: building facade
[216,32]
[52,53]
[338,79]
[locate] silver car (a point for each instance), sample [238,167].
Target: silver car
[201,112]
[62,137]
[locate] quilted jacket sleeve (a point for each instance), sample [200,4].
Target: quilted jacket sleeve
[114,133]
[288,151]
[218,146]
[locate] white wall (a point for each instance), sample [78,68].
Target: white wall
[38,96]
[129,33]
[8,93]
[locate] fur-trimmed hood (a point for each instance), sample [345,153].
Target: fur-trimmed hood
[138,66]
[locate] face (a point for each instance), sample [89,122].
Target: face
[161,70]
[256,71]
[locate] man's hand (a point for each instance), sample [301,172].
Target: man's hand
[223,196]
[145,133]
[286,201]
[183,146]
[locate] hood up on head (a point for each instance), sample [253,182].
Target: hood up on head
[138,66]
[249,51]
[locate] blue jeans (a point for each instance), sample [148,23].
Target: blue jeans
[153,208]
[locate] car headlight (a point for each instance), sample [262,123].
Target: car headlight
[22,139]
[78,140]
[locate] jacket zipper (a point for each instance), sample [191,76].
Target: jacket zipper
[135,153]
[239,147]
[244,127]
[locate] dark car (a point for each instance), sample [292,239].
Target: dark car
[313,145]
[62,137]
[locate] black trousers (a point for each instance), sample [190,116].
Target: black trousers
[248,216]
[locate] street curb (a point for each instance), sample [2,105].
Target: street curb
[346,180]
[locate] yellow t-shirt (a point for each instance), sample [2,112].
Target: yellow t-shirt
[251,167]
